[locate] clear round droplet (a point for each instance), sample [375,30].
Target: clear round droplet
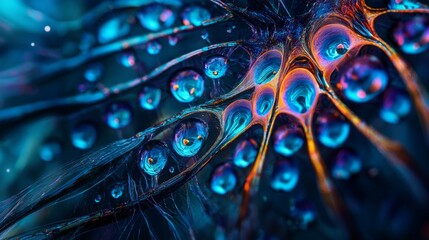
[93,72]
[117,191]
[150,98]
[223,179]
[153,47]
[364,79]
[346,164]
[285,175]
[245,153]
[155,17]
[215,67]
[118,115]
[50,150]
[396,105]
[153,158]
[127,59]
[332,131]
[186,86]
[189,137]
[84,135]
[195,15]
[287,141]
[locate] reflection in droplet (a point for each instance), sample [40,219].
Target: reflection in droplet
[195,15]
[245,153]
[346,163]
[153,47]
[223,179]
[83,135]
[155,17]
[153,159]
[118,115]
[396,105]
[215,67]
[287,141]
[285,175]
[150,98]
[117,191]
[189,137]
[412,35]
[364,79]
[332,131]
[187,86]
[127,58]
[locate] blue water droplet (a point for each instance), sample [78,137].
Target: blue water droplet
[267,67]
[364,79]
[215,67]
[245,153]
[150,98]
[50,150]
[189,137]
[113,29]
[412,35]
[173,40]
[346,163]
[287,141]
[83,135]
[332,131]
[195,15]
[154,158]
[155,17]
[118,115]
[93,72]
[153,47]
[396,105]
[300,95]
[171,169]
[117,191]
[264,103]
[127,59]
[403,4]
[285,175]
[223,179]
[187,86]
[97,198]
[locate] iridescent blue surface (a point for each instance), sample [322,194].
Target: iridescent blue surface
[113,29]
[300,95]
[346,163]
[155,17]
[93,72]
[332,131]
[335,47]
[117,191]
[187,86]
[50,150]
[245,153]
[285,175]
[189,137]
[223,179]
[84,135]
[267,68]
[287,141]
[195,15]
[215,67]
[396,105]
[118,115]
[153,47]
[153,159]
[412,35]
[264,103]
[150,98]
[237,120]
[364,79]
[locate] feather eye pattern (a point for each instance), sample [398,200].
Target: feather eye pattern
[217,119]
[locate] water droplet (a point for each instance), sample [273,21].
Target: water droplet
[300,95]
[127,59]
[153,47]
[155,17]
[97,198]
[346,163]
[113,29]
[215,67]
[171,169]
[223,179]
[287,141]
[332,131]
[118,115]
[154,158]
[117,191]
[150,98]
[187,86]
[50,150]
[264,102]
[195,15]
[245,153]
[364,79]
[412,35]
[33,44]
[189,137]
[83,135]
[403,4]
[173,40]
[285,176]
[267,67]
[396,105]
[47,28]
[93,72]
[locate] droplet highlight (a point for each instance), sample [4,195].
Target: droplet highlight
[189,137]
[187,86]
